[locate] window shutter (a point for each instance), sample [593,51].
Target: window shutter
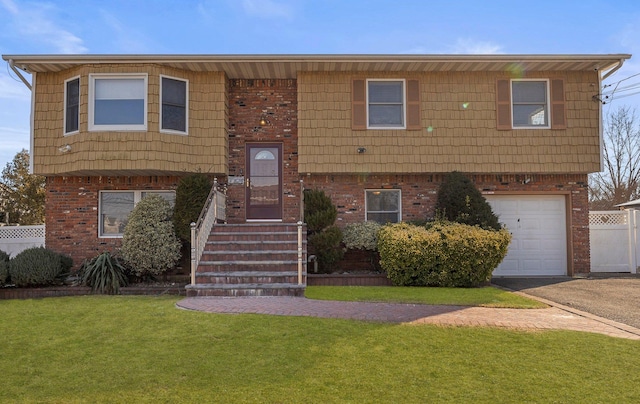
[558,113]
[358,105]
[503,105]
[413,105]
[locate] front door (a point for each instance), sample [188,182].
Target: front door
[263,182]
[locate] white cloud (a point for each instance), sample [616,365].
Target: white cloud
[35,22]
[268,9]
[472,46]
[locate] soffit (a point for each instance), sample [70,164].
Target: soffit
[288,66]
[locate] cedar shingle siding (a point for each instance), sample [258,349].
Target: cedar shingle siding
[125,152]
[458,127]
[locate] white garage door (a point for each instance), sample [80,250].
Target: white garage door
[539,227]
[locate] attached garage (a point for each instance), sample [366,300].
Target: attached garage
[538,224]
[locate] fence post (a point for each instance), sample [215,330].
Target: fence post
[194,265]
[635,247]
[300,282]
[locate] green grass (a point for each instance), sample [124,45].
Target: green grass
[115,349]
[485,297]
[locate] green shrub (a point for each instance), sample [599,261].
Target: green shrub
[319,212]
[459,200]
[4,267]
[104,274]
[149,243]
[361,236]
[38,266]
[326,246]
[191,195]
[446,254]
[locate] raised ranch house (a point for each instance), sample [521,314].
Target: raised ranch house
[376,132]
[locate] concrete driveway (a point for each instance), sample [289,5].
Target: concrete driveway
[613,297]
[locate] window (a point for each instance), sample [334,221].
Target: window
[530,105]
[115,207]
[117,102]
[71,105]
[385,104]
[174,112]
[383,205]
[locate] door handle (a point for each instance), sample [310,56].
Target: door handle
[247,182]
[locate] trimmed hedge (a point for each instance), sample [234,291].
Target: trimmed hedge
[149,243]
[326,246]
[460,201]
[4,267]
[446,254]
[39,266]
[361,236]
[191,195]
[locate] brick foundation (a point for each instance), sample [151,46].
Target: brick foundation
[71,207]
[419,198]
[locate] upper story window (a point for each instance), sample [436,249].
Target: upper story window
[174,112]
[383,205]
[115,207]
[71,105]
[386,104]
[530,103]
[392,104]
[117,102]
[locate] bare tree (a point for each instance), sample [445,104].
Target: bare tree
[620,179]
[22,194]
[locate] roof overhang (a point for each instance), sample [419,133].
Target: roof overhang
[288,66]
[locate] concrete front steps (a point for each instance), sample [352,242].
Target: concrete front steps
[255,259]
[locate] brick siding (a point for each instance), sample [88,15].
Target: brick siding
[276,101]
[71,206]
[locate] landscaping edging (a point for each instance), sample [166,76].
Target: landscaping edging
[58,291]
[348,280]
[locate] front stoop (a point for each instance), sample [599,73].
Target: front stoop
[256,259]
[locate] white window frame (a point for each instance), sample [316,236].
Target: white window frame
[137,197]
[404,105]
[114,76]
[64,123]
[366,207]
[547,105]
[186,107]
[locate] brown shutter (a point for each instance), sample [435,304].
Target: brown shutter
[413,105]
[558,114]
[503,105]
[358,105]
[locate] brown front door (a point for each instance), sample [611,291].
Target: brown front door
[263,182]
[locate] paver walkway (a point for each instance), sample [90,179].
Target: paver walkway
[555,317]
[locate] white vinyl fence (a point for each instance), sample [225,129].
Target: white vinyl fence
[615,241]
[15,239]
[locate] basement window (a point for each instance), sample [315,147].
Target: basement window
[383,205]
[115,207]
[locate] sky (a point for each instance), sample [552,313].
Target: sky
[311,27]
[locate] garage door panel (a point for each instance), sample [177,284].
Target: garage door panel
[538,227]
[531,245]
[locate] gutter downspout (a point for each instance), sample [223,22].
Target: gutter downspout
[15,70]
[31,115]
[609,73]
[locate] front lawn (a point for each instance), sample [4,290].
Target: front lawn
[485,297]
[138,349]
